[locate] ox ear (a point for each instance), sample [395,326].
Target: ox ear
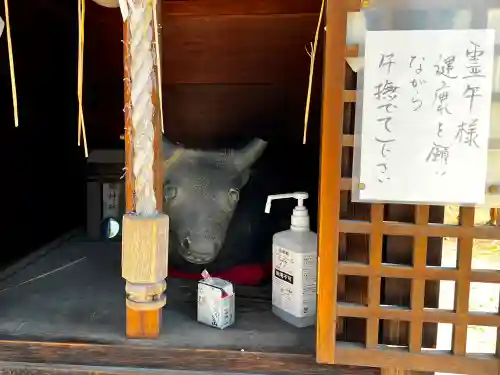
[248,155]
[169,148]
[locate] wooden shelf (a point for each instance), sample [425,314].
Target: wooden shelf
[75,317]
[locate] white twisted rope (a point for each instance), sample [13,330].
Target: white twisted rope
[142,79]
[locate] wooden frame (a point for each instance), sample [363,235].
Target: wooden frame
[330,180]
[371,352]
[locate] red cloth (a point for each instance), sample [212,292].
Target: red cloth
[248,274]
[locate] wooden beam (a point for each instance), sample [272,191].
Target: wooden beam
[132,358]
[430,230]
[246,7]
[227,50]
[398,271]
[428,361]
[243,7]
[330,169]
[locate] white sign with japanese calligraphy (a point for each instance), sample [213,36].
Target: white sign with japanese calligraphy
[425,119]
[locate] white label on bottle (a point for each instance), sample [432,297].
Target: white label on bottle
[294,282]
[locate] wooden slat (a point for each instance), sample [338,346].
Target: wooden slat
[254,111]
[431,230]
[349,96]
[133,358]
[348,140]
[236,50]
[242,7]
[431,361]
[330,179]
[485,276]
[346,290]
[428,315]
[462,286]
[345,184]
[246,7]
[351,50]
[374,282]
[406,272]
[418,283]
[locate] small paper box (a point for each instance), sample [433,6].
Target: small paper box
[215,302]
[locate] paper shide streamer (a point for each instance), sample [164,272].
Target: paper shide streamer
[81,18]
[312,56]
[81,32]
[11,63]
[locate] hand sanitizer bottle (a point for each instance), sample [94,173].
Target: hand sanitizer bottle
[294,266]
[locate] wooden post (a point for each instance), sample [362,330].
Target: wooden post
[329,192]
[145,232]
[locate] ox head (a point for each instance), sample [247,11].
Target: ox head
[201,193]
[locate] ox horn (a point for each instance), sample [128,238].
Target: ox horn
[107,3]
[248,155]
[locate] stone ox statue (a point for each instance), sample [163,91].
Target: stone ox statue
[201,194]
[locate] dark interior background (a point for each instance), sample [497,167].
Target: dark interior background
[231,70]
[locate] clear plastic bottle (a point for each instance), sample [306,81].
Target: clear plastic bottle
[295,266]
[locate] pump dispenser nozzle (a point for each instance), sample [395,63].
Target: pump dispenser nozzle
[300,217]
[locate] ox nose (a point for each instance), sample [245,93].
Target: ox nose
[198,252]
[186,243]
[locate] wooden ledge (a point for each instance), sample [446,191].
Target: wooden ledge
[427,360]
[50,357]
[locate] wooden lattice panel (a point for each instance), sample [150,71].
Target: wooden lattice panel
[413,357]
[371,352]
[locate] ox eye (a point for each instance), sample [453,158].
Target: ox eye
[234,195]
[170,192]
